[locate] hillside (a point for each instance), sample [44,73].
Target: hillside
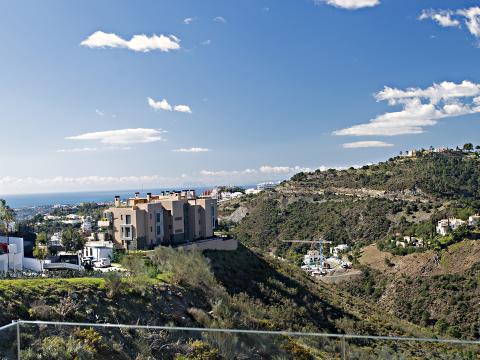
[454,174]
[269,295]
[372,208]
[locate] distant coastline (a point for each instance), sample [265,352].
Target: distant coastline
[71,198]
[18,201]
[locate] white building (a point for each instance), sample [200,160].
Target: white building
[87,224]
[473,220]
[98,249]
[13,259]
[270,185]
[311,259]
[55,239]
[444,226]
[252,191]
[72,219]
[338,250]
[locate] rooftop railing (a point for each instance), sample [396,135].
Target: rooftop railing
[60,340]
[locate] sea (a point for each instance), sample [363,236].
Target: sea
[73,198]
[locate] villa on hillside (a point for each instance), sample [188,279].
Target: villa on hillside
[444,226]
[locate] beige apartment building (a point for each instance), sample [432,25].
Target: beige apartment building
[169,218]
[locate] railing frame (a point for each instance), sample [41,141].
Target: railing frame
[341,337]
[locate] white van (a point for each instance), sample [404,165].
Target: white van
[103,262]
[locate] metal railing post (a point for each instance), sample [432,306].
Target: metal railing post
[344,350]
[18,340]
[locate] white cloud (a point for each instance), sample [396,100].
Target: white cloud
[164,105]
[420,108]
[453,18]
[350,4]
[192,150]
[188,21]
[99,112]
[19,185]
[77,150]
[472,19]
[366,144]
[122,137]
[140,43]
[207,42]
[183,109]
[442,17]
[220,19]
[227,173]
[159,105]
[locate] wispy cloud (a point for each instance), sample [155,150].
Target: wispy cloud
[206,42]
[139,43]
[453,18]
[164,105]
[262,170]
[188,20]
[420,108]
[220,19]
[350,4]
[122,137]
[192,150]
[159,105]
[99,112]
[366,144]
[183,109]
[77,150]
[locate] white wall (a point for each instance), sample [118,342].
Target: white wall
[14,259]
[32,264]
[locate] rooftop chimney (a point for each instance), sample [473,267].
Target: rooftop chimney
[137,194]
[117,201]
[149,197]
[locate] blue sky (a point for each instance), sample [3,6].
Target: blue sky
[266,88]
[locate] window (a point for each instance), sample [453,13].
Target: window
[121,216]
[159,230]
[178,231]
[150,216]
[128,219]
[178,218]
[151,229]
[159,217]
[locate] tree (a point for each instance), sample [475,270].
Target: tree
[42,238]
[40,252]
[468,147]
[72,240]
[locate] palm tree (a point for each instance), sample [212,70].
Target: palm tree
[7,216]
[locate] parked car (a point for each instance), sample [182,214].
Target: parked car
[103,262]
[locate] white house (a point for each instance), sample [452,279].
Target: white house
[87,224]
[56,239]
[456,223]
[13,258]
[98,249]
[312,258]
[473,220]
[72,219]
[338,250]
[445,225]
[442,227]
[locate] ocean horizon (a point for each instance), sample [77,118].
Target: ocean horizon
[72,198]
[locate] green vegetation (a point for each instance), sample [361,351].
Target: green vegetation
[451,175]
